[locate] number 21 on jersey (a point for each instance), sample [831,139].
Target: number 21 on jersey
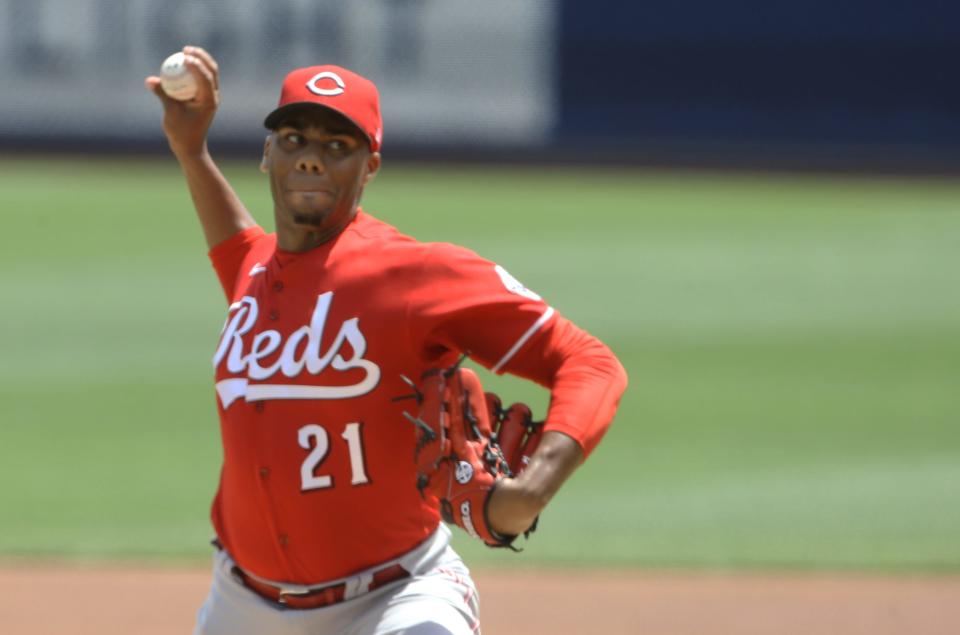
[314,437]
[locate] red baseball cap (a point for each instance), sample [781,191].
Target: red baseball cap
[336,88]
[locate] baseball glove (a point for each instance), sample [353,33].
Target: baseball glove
[466,443]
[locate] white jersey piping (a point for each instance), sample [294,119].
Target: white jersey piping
[523,339]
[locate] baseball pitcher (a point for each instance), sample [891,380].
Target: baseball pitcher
[349,428]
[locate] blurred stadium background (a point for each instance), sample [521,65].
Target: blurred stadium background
[791,84]
[788,310]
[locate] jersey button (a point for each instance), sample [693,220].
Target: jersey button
[274,315]
[264,472]
[259,406]
[278,286]
[284,540]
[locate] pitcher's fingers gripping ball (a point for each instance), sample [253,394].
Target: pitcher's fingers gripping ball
[176,79]
[458,456]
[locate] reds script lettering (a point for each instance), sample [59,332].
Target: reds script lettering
[242,317]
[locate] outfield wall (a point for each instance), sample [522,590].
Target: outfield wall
[693,78]
[864,77]
[452,72]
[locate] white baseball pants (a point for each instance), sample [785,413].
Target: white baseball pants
[439,598]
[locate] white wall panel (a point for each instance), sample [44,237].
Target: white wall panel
[449,71]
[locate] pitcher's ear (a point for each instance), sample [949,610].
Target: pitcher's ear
[373,167]
[265,159]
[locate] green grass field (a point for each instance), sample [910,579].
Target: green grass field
[793,345]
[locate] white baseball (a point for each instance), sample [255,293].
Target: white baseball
[176,79]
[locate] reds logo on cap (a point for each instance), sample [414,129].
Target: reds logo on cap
[326,92]
[327,86]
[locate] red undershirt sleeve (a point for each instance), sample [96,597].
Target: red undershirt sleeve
[585,380]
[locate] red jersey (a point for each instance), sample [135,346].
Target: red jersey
[318,478]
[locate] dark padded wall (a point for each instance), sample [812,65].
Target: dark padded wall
[752,76]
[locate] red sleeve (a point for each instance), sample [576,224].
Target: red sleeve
[464,303]
[228,255]
[585,379]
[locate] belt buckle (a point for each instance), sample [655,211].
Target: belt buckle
[285,593]
[328,595]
